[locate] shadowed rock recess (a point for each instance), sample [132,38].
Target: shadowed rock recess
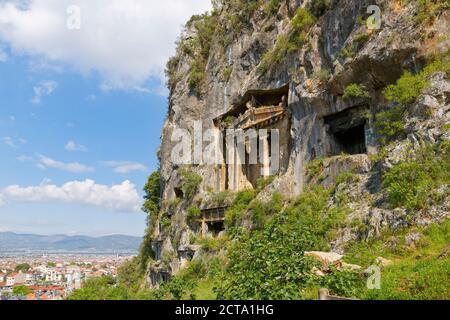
[363,127]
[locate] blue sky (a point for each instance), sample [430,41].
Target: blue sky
[80,120]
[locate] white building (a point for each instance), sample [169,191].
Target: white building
[53,276]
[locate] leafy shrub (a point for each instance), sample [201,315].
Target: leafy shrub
[228,120]
[193,213]
[272,7]
[262,211]
[353,47]
[221,198]
[227,73]
[318,7]
[412,279]
[312,211]
[102,288]
[165,222]
[234,214]
[263,182]
[410,86]
[152,197]
[360,39]
[355,91]
[151,206]
[314,168]
[321,75]
[411,184]
[190,183]
[171,72]
[390,124]
[427,11]
[301,23]
[347,52]
[407,89]
[267,264]
[199,48]
[342,283]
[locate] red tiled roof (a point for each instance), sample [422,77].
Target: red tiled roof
[31,296]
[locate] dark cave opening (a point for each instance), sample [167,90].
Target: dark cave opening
[216,227]
[347,131]
[352,141]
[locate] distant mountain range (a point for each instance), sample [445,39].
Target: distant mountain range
[10,242]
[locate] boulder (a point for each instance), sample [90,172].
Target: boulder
[326,258]
[383,262]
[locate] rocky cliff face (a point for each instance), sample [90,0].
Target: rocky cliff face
[312,54]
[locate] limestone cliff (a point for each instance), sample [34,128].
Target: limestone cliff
[319,68]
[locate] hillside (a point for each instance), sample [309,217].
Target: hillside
[15,243]
[351,121]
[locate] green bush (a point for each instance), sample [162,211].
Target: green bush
[102,288]
[21,291]
[301,23]
[318,7]
[355,91]
[151,206]
[347,52]
[152,197]
[343,283]
[390,124]
[198,48]
[314,167]
[411,184]
[409,87]
[234,214]
[426,279]
[272,7]
[427,11]
[190,183]
[193,213]
[263,182]
[322,75]
[262,211]
[267,264]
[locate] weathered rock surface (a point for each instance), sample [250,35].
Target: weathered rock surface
[317,110]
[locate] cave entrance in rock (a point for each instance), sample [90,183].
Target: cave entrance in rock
[347,131]
[178,193]
[215,227]
[353,140]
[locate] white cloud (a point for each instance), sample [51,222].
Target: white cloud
[9,142]
[2,200]
[122,197]
[72,146]
[125,167]
[44,88]
[74,167]
[126,42]
[24,158]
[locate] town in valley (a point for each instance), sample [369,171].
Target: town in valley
[52,277]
